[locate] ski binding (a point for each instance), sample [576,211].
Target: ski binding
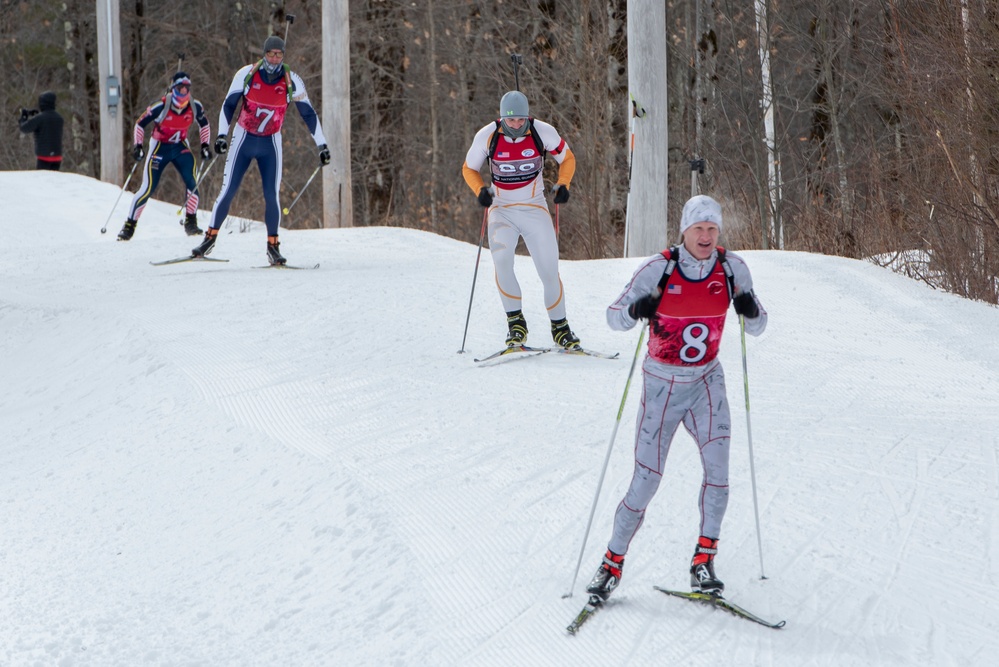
[592,605]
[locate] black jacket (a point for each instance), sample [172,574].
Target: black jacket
[47,127]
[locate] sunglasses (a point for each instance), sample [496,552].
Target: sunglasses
[182,88]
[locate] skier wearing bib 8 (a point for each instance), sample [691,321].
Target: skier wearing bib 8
[684,292]
[267,89]
[171,117]
[515,146]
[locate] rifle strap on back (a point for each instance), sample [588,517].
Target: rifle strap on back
[494,140]
[673,255]
[729,274]
[289,85]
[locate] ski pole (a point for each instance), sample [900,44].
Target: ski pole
[610,446]
[556,221]
[289,19]
[475,275]
[287,209]
[201,176]
[104,229]
[204,172]
[749,434]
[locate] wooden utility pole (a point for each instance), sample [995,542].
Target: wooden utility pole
[338,207]
[646,233]
[109,74]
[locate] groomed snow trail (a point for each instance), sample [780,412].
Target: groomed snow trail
[208,464]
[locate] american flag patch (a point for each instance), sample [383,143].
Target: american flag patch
[503,155]
[674,289]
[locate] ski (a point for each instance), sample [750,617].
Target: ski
[515,349]
[588,353]
[592,605]
[286,266]
[189,258]
[721,603]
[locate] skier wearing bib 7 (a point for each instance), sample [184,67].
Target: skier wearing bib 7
[267,89]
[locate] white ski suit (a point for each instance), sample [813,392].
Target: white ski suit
[519,207]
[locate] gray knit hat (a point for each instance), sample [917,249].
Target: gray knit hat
[514,105]
[273,43]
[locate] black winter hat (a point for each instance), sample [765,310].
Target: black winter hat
[47,101]
[180,77]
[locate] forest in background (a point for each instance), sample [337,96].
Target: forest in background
[885,112]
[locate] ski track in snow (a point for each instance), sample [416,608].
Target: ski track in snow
[207,464]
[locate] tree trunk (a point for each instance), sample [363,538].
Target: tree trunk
[773,229]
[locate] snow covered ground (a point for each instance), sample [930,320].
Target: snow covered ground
[208,464]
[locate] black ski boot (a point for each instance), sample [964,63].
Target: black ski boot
[191,225]
[563,336]
[207,245]
[702,568]
[517,326]
[607,577]
[274,251]
[128,230]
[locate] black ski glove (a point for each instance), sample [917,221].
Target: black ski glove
[137,152]
[485,197]
[221,146]
[561,194]
[324,155]
[206,152]
[745,305]
[645,307]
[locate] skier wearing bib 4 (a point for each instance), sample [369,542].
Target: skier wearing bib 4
[515,146]
[684,293]
[171,118]
[267,89]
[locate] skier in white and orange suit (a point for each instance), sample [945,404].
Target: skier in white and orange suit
[515,146]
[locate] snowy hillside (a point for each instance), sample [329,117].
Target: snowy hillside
[209,464]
